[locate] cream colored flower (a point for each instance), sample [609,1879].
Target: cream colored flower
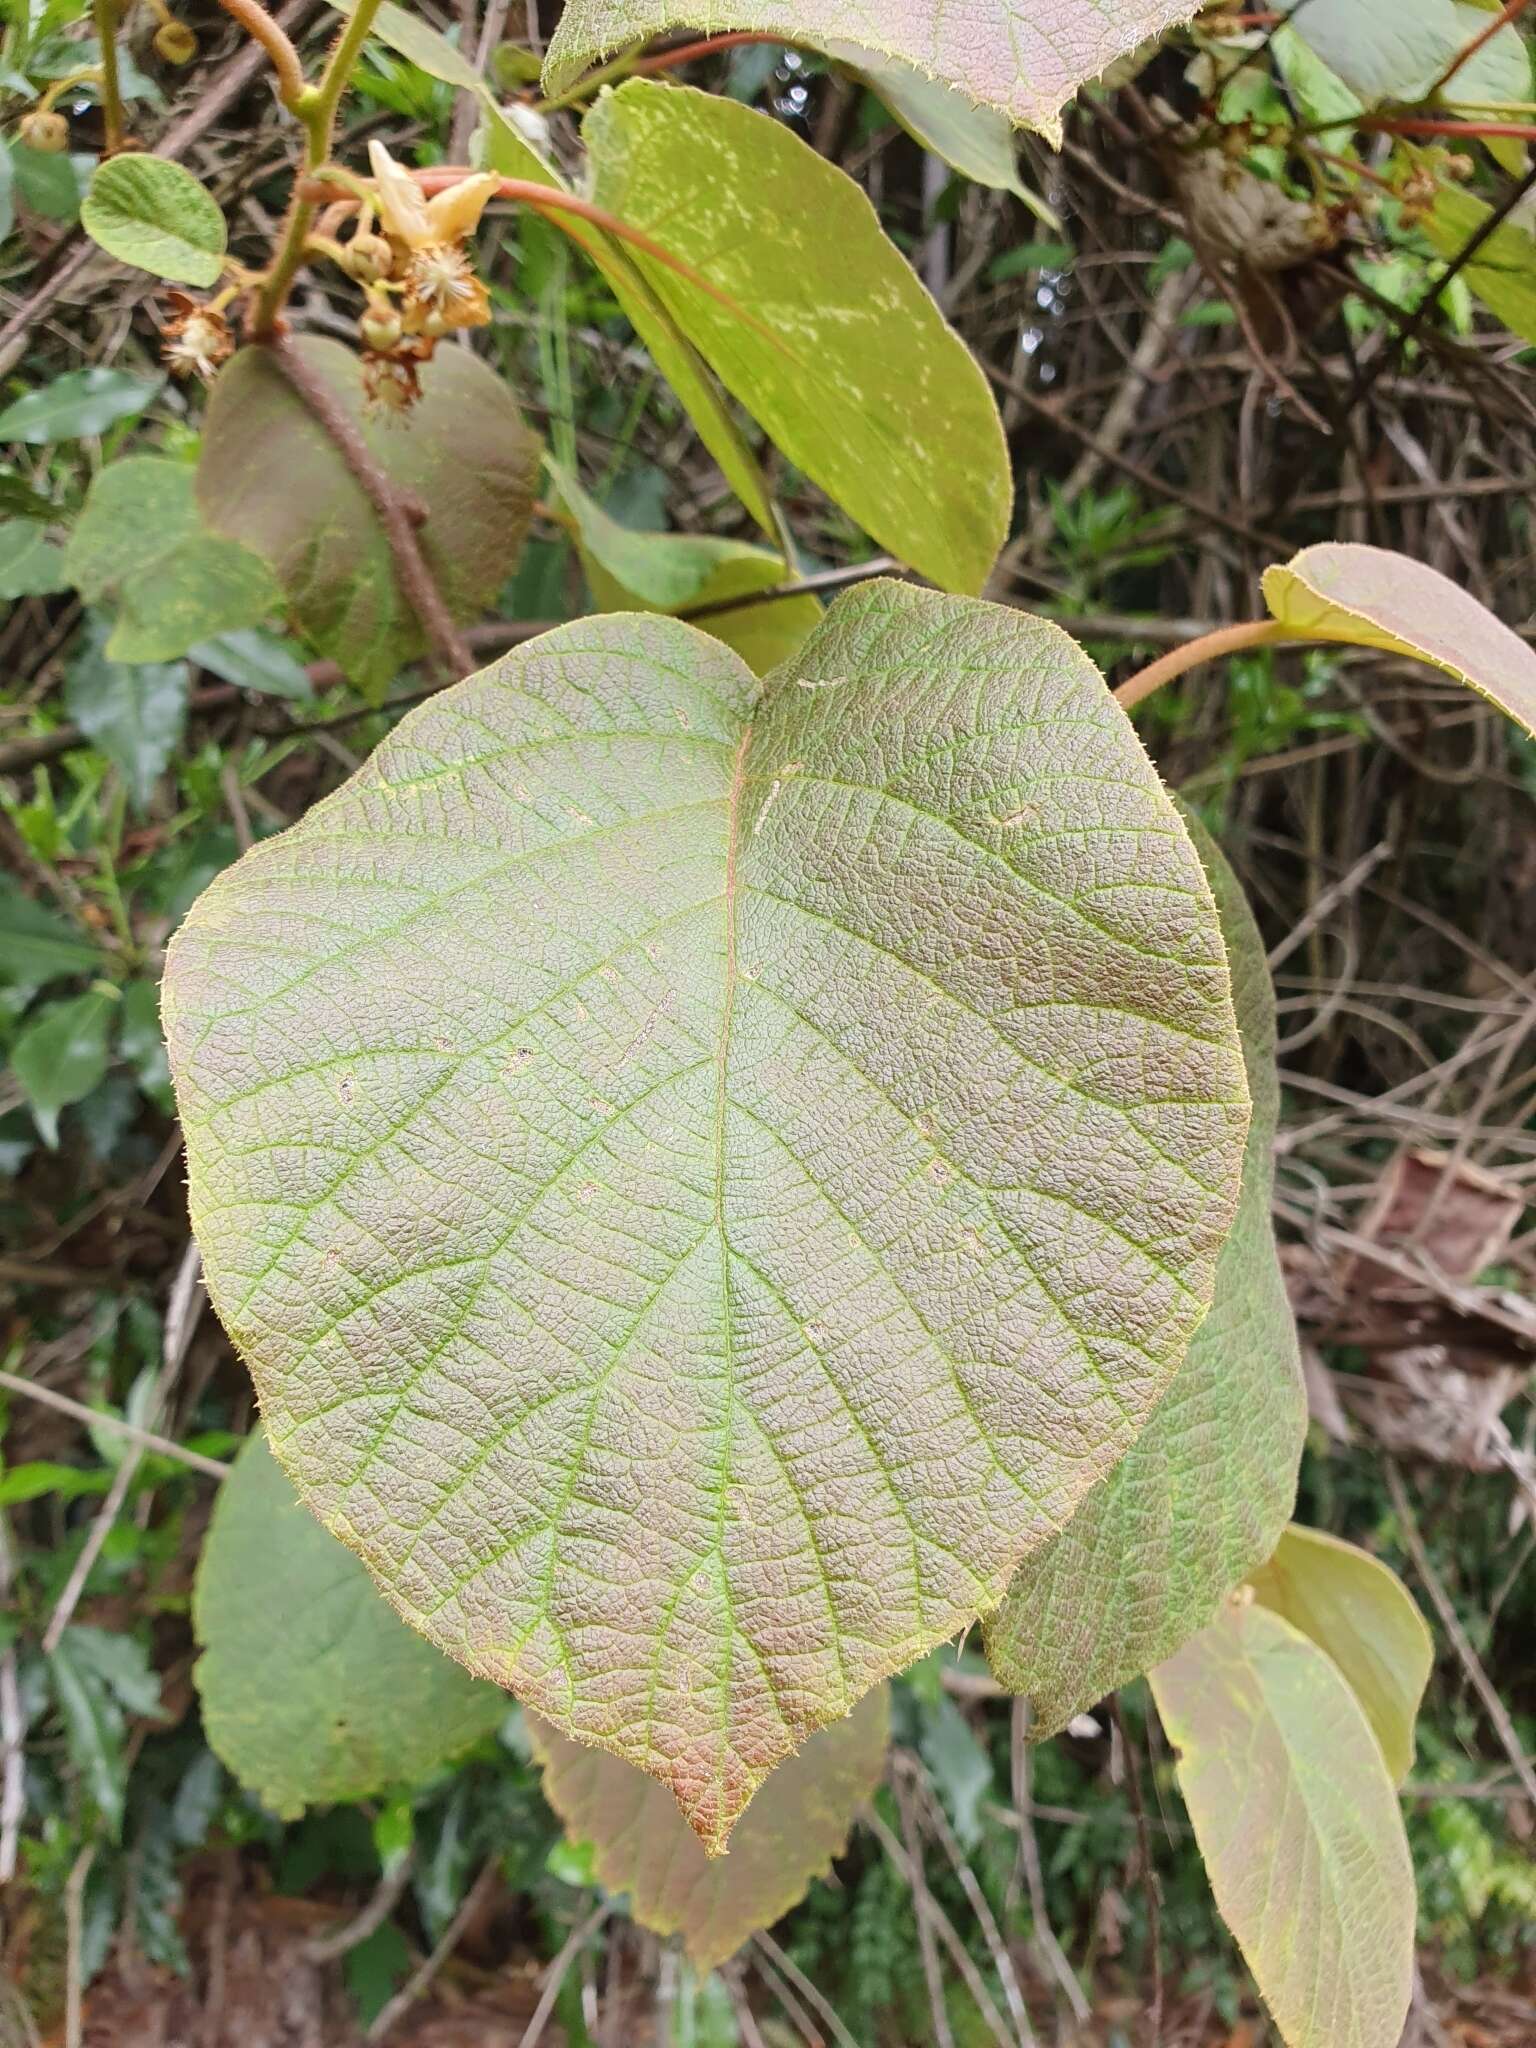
[440,287]
[408,217]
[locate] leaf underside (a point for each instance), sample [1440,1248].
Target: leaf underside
[1026,56]
[312,1690]
[703,1190]
[1202,1496]
[1297,1821]
[645,1848]
[1372,597]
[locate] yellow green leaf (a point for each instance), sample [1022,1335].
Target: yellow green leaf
[1360,1612]
[1298,1823]
[1371,597]
[707,1174]
[843,358]
[672,572]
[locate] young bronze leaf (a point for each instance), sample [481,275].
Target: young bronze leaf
[645,1847]
[1203,1494]
[843,359]
[704,1186]
[1371,597]
[271,476]
[1361,1613]
[1297,1820]
[1027,57]
[313,1690]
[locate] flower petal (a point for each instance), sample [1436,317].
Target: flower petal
[402,210]
[456,212]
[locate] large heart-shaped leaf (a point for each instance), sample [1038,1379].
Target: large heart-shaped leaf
[838,352]
[1297,1820]
[1370,597]
[703,1185]
[1026,56]
[1203,1495]
[313,1689]
[272,477]
[140,546]
[644,1846]
[1360,1612]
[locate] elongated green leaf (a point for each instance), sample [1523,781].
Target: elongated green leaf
[1297,1820]
[154,214]
[135,713]
[508,150]
[1382,49]
[857,377]
[702,1189]
[1027,57]
[37,945]
[313,1690]
[1202,1496]
[643,1845]
[1371,597]
[93,1727]
[1360,1612]
[140,546]
[61,1055]
[420,45]
[667,572]
[271,477]
[254,660]
[79,402]
[979,142]
[1503,272]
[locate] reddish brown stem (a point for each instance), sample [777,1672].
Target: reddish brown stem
[1225,640]
[550,202]
[693,53]
[273,38]
[415,578]
[1502,19]
[1400,124]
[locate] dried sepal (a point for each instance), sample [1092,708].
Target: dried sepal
[196,340]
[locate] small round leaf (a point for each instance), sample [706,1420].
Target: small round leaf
[153,214]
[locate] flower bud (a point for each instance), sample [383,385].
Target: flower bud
[369,257]
[44,131]
[381,329]
[175,42]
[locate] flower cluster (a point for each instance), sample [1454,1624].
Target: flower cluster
[419,275]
